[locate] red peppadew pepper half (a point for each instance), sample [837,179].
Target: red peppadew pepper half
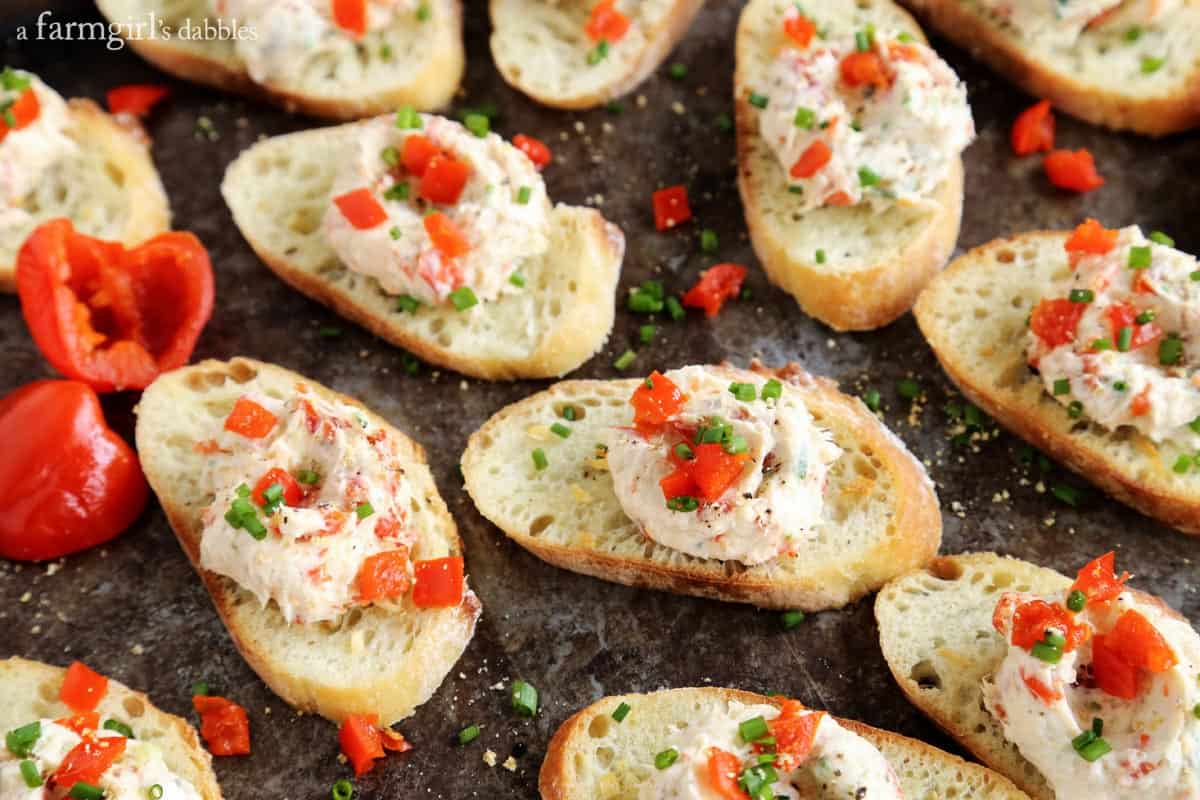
[67,481]
[111,317]
[223,725]
[717,284]
[137,99]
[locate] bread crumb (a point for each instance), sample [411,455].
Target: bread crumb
[25,598]
[539,433]
[641,101]
[580,494]
[489,757]
[137,649]
[678,108]
[510,764]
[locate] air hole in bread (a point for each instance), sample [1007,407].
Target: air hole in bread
[579,410]
[49,691]
[241,372]
[605,756]
[1000,580]
[304,221]
[134,707]
[599,727]
[539,525]
[947,570]
[115,173]
[1006,256]
[925,675]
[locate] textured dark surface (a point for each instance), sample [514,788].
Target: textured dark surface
[135,610]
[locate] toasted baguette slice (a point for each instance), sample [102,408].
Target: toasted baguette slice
[974,316]
[881,512]
[541,48]
[593,757]
[278,191]
[108,187]
[935,627]
[29,691]
[373,661]
[1100,78]
[412,63]
[875,264]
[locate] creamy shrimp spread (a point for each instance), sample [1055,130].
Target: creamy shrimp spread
[341,500]
[282,35]
[1104,702]
[131,776]
[1115,341]
[721,463]
[33,122]
[814,757]
[463,219]
[1062,21]
[873,118]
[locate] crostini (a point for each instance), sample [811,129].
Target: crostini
[582,53]
[714,742]
[68,158]
[337,59]
[1073,690]
[758,486]
[318,531]
[850,132]
[439,239]
[73,727]
[1124,64]
[1081,343]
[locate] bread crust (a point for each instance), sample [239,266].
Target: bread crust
[1098,104]
[432,88]
[950,568]
[127,147]
[1043,425]
[394,694]
[916,518]
[660,41]
[556,781]
[16,670]
[858,300]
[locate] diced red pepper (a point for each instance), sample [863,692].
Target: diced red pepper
[1040,690]
[717,284]
[1139,643]
[88,760]
[714,470]
[23,112]
[446,236]
[1033,132]
[839,199]
[439,582]
[1110,672]
[655,401]
[1055,321]
[1140,405]
[1032,619]
[1091,238]
[1072,170]
[444,179]
[81,723]
[814,157]
[223,725]
[249,419]
[1124,315]
[82,688]
[418,151]
[671,207]
[722,773]
[137,99]
[794,730]
[361,742]
[864,69]
[393,741]
[679,483]
[1098,579]
[292,491]
[361,209]
[606,22]
[383,575]
[799,29]
[351,16]
[536,150]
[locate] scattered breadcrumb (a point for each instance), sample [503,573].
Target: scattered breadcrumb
[489,757]
[510,764]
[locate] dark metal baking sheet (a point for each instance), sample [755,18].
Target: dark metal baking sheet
[134,609]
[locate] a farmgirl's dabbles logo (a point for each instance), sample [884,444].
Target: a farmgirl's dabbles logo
[150,26]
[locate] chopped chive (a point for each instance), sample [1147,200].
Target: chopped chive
[20,741]
[908,388]
[463,298]
[684,452]
[364,510]
[1066,494]
[791,619]
[468,734]
[666,758]
[1170,350]
[424,12]
[1125,338]
[1195,425]
[1046,652]
[677,71]
[1158,237]
[560,430]
[1120,386]
[621,712]
[1133,34]
[1095,749]
[613,107]
[675,309]
[598,53]
[1139,257]
[646,334]
[1195,275]
[759,100]
[394,232]
[743,391]
[805,118]
[1152,64]
[539,459]
[119,727]
[862,42]
[1075,409]
[342,790]
[1081,296]
[873,399]
[724,122]
[708,241]
[390,156]
[568,413]
[524,699]
[200,687]
[397,191]
[406,302]
[1102,344]
[1183,464]
[85,791]
[1145,317]
[820,255]
[683,503]
[477,124]
[735,445]
[644,303]
[625,360]
[1062,386]
[523,195]
[1076,600]
[906,37]
[771,390]
[30,774]
[753,729]
[407,118]
[867,177]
